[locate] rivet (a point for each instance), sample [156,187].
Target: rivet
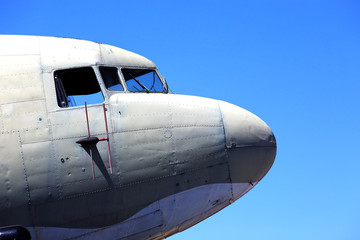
[167,134]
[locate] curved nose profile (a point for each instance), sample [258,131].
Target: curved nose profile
[251,145]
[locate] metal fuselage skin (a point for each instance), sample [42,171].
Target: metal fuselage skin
[176,159]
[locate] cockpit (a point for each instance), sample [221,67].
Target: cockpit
[92,84]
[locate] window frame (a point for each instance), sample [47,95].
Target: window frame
[145,68]
[106,93]
[110,92]
[98,79]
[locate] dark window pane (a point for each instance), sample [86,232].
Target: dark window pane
[111,78]
[75,86]
[143,80]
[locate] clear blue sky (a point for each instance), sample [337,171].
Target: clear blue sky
[296,64]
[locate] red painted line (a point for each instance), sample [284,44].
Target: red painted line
[87,120]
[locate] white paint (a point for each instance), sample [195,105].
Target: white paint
[160,219]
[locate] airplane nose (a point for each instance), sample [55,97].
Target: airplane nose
[250,143]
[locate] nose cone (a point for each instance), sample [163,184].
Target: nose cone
[251,145]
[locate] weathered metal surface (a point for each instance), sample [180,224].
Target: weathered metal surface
[175,159]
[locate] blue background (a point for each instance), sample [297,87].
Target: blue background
[295,64]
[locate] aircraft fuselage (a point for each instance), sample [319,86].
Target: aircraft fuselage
[170,160]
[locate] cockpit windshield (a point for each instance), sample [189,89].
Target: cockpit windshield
[143,80]
[111,78]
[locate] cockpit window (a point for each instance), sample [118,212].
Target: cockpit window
[77,85]
[143,80]
[111,78]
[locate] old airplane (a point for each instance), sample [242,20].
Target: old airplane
[94,146]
